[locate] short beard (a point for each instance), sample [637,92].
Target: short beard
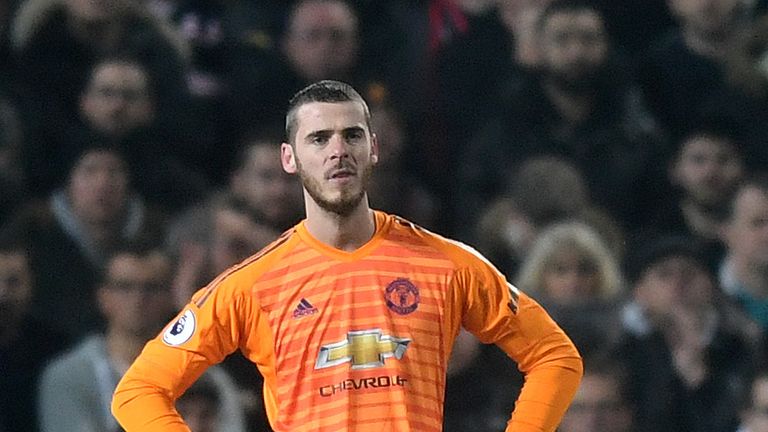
[342,207]
[586,83]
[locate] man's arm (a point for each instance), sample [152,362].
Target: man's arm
[552,368]
[212,326]
[496,312]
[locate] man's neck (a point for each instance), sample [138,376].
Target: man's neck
[103,235]
[348,232]
[703,221]
[573,107]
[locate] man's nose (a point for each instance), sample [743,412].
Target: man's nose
[338,146]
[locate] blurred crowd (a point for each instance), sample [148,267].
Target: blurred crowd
[609,156]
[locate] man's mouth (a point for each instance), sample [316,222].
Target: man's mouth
[341,173]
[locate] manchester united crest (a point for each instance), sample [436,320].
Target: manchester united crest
[402,296]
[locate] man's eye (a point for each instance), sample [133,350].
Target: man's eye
[355,136]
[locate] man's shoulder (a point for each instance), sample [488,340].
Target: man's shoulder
[244,274]
[407,233]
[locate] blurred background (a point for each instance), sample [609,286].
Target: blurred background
[609,156]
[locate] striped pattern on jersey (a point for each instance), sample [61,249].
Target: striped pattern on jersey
[372,355]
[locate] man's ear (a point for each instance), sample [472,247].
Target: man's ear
[374,149]
[288,158]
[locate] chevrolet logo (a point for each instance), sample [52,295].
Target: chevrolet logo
[364,349]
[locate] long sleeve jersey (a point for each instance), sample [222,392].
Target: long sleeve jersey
[354,341]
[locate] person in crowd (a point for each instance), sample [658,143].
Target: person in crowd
[270,194]
[26,342]
[320,40]
[745,99]
[393,188]
[744,270]
[72,233]
[134,298]
[580,105]
[689,352]
[604,399]
[577,278]
[208,239]
[545,190]
[705,170]
[119,104]
[214,237]
[685,66]
[57,43]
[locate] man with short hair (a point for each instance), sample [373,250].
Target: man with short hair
[118,99]
[26,342]
[705,170]
[135,300]
[351,315]
[579,104]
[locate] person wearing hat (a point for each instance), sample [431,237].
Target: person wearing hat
[688,358]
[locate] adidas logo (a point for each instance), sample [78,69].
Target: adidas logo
[304,308]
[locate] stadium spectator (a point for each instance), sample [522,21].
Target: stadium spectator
[603,401]
[685,66]
[578,105]
[744,270]
[26,342]
[705,171]
[76,388]
[689,352]
[572,273]
[72,233]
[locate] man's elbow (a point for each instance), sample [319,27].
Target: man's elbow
[120,404]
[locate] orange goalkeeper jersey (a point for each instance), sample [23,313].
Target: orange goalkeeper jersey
[354,341]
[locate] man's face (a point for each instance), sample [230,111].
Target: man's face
[597,406]
[746,233]
[15,287]
[574,48]
[136,297]
[263,184]
[708,170]
[707,16]
[321,41]
[98,186]
[673,282]
[333,153]
[117,99]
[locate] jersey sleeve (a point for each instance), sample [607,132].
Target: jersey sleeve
[496,312]
[220,319]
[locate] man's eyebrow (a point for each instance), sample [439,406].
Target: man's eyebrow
[328,132]
[319,133]
[354,129]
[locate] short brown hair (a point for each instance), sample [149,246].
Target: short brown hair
[322,91]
